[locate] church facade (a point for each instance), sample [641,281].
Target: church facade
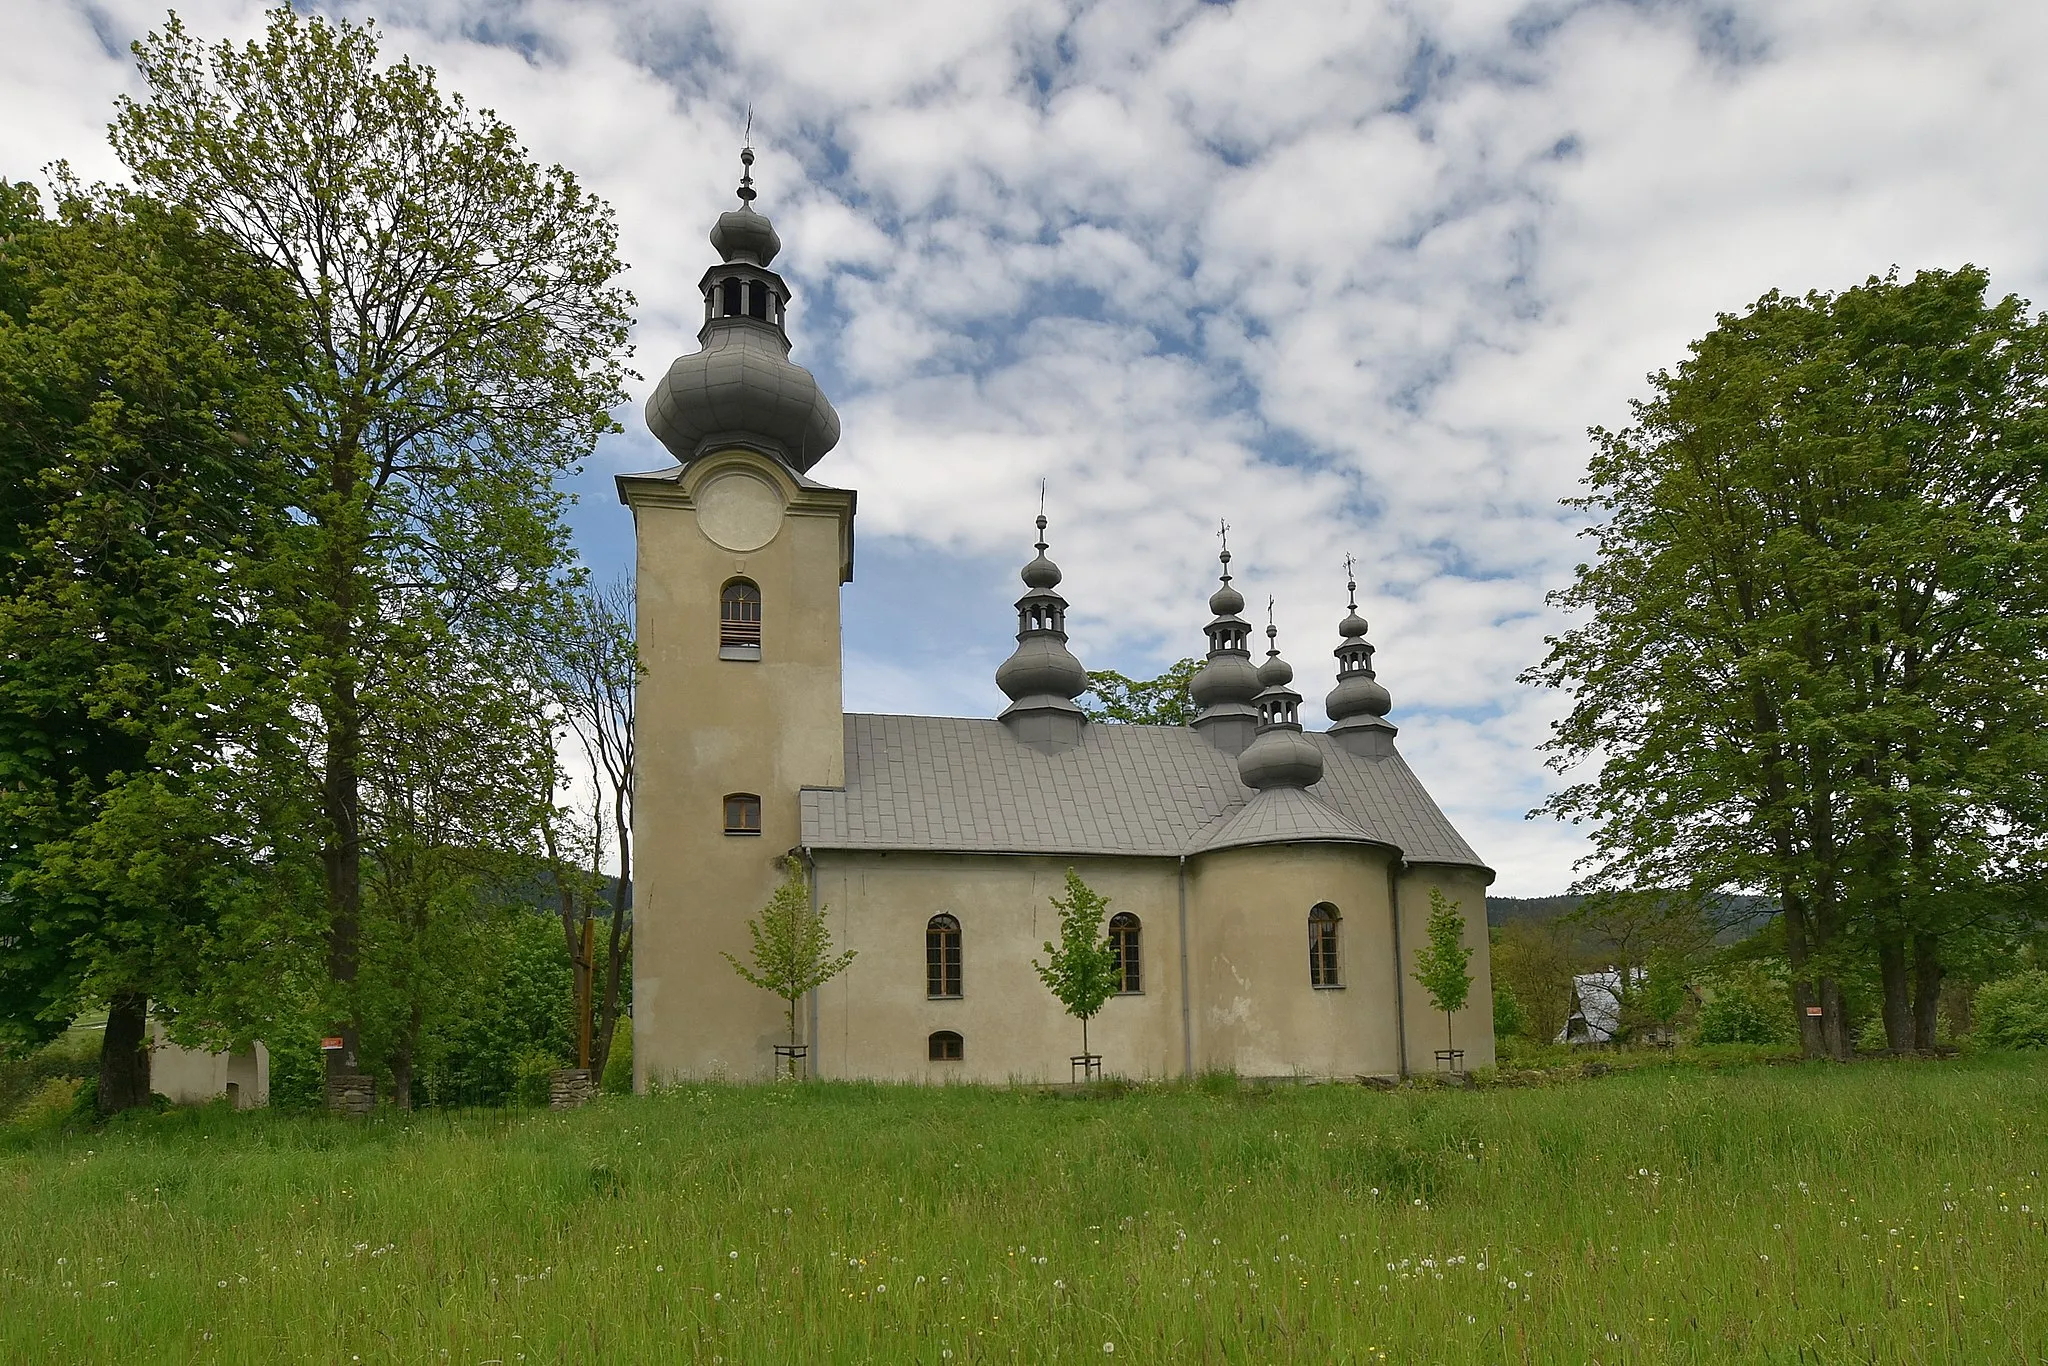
[1268,886]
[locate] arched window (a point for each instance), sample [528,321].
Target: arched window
[742,814]
[731,301]
[945,1046]
[1123,941]
[757,300]
[1322,945]
[942,957]
[739,621]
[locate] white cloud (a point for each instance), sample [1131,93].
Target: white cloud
[1355,275]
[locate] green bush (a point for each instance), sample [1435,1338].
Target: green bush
[1509,1021]
[1741,1014]
[2013,1011]
[530,1075]
[618,1064]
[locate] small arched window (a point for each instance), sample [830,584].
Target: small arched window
[731,301]
[942,957]
[1123,941]
[945,1046]
[757,300]
[739,621]
[742,814]
[1322,945]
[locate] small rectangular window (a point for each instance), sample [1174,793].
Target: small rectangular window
[742,814]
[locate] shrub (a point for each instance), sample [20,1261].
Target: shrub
[1741,1013]
[531,1074]
[618,1064]
[2013,1011]
[1508,1019]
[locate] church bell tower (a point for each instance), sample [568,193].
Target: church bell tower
[740,558]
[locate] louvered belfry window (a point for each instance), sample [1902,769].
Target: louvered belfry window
[1322,945]
[739,616]
[942,956]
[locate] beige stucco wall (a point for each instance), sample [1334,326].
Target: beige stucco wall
[1256,1010]
[1471,1028]
[874,1020]
[191,1076]
[709,726]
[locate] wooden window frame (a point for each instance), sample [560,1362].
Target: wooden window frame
[1325,947]
[1126,937]
[942,968]
[739,620]
[945,1045]
[738,807]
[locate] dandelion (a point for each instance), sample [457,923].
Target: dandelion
[733,1255]
[881,1290]
[1109,1349]
[717,1295]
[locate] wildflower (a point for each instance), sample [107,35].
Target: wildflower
[657,1268]
[733,1255]
[881,1290]
[717,1295]
[1108,1349]
[1059,1285]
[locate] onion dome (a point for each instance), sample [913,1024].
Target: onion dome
[1041,677]
[1223,688]
[1358,705]
[740,387]
[1279,755]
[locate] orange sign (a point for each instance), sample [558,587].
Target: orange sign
[332,1044]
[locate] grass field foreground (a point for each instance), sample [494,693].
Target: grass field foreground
[1884,1212]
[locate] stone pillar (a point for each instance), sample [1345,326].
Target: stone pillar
[570,1088]
[351,1093]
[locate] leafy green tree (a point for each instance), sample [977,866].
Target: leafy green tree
[1816,647]
[2012,1012]
[792,952]
[1161,701]
[1442,962]
[140,510]
[1082,971]
[1509,1020]
[460,344]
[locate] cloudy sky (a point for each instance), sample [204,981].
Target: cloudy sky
[1356,276]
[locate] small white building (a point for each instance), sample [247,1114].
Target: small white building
[191,1076]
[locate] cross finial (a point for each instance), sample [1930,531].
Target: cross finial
[747,195]
[1272,632]
[1223,535]
[1351,580]
[1041,516]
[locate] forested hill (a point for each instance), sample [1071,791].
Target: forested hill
[1742,913]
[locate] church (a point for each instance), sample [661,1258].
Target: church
[1268,886]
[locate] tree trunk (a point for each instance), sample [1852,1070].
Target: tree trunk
[124,1054]
[1927,978]
[1898,991]
[1812,1041]
[401,1065]
[1836,1032]
[341,780]
[621,937]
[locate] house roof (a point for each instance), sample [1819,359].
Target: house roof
[945,783]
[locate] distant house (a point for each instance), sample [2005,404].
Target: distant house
[192,1076]
[1596,1011]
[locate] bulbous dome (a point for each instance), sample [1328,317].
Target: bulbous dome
[1353,626]
[1358,694]
[1275,672]
[1041,665]
[1280,756]
[742,389]
[1224,678]
[743,235]
[1041,573]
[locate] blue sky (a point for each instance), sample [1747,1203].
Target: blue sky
[1356,276]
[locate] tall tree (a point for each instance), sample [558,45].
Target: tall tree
[1161,701]
[591,672]
[462,338]
[142,506]
[1815,657]
[1442,962]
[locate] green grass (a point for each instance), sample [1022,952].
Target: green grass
[1885,1212]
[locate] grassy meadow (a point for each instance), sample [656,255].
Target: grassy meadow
[1884,1212]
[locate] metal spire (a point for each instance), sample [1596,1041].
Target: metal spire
[1272,632]
[1351,580]
[747,195]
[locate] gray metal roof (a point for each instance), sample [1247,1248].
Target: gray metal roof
[967,785]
